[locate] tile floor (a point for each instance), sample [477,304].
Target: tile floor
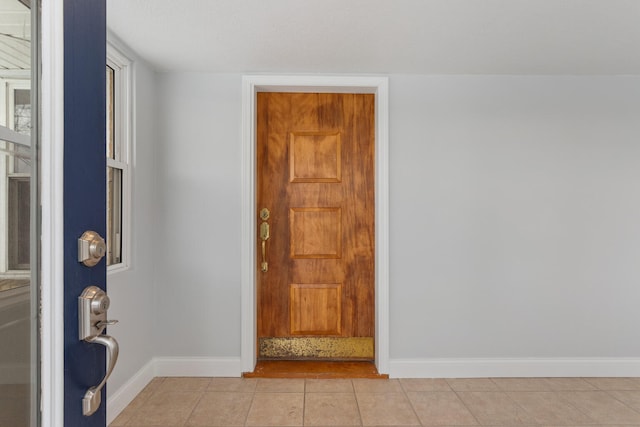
[208,402]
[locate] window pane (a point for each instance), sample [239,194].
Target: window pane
[22,111]
[21,159]
[19,209]
[111,152]
[114,215]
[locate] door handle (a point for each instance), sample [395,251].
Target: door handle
[93,397]
[264,235]
[93,304]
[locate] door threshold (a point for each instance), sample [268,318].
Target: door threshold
[314,369]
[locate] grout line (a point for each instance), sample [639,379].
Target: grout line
[413,409]
[304,401]
[355,395]
[253,395]
[465,405]
[608,393]
[576,407]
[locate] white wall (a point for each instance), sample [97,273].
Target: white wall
[131,291]
[514,216]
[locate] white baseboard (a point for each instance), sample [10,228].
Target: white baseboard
[169,367]
[197,367]
[525,367]
[119,400]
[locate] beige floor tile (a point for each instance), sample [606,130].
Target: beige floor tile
[425,384]
[278,385]
[154,384]
[543,402]
[221,409]
[148,391]
[125,416]
[569,384]
[276,409]
[631,398]
[495,408]
[601,407]
[438,408]
[472,384]
[386,409]
[377,386]
[328,386]
[159,425]
[522,384]
[165,408]
[615,383]
[331,409]
[183,384]
[241,385]
[548,407]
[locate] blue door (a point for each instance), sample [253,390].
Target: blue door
[84,194]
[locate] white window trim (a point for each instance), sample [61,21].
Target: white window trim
[123,118]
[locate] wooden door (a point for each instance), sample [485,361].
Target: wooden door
[315,176]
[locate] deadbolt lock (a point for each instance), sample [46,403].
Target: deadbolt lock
[91,248]
[264,214]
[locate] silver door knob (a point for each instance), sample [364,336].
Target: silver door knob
[91,248]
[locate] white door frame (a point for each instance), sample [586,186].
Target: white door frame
[251,85]
[51,181]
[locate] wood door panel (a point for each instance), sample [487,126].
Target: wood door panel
[316,309]
[315,232]
[315,173]
[315,157]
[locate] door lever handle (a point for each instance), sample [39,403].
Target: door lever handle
[93,304]
[93,397]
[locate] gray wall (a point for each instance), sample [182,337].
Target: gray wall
[514,218]
[198,214]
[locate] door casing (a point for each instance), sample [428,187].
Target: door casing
[379,86]
[52,237]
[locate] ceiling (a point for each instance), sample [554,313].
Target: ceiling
[383,36]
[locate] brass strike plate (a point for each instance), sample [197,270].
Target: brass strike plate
[264,214]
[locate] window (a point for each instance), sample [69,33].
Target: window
[15,179]
[117,152]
